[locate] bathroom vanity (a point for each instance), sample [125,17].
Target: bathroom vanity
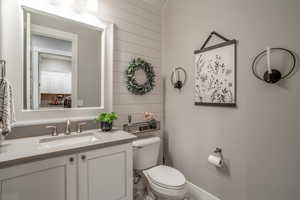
[91,165]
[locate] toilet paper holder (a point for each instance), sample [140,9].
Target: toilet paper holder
[217,159]
[218,151]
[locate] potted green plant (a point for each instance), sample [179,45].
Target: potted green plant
[106,120]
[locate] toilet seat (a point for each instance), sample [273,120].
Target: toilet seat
[166,181]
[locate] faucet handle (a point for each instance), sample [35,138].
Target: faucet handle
[54,130]
[68,127]
[68,122]
[79,125]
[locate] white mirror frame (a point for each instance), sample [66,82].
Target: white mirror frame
[35,117]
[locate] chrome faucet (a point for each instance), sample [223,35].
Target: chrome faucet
[79,126]
[68,128]
[54,130]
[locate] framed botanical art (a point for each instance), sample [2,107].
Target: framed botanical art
[215,74]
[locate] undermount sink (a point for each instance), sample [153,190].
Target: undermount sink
[68,140]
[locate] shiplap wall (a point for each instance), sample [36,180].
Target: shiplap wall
[138,34]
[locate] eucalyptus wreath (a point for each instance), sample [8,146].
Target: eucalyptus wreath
[132,85]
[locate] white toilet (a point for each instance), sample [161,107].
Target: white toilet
[163,182]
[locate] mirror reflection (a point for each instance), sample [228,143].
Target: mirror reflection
[62,63]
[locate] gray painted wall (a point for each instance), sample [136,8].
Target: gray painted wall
[260,137]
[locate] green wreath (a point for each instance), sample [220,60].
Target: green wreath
[132,85]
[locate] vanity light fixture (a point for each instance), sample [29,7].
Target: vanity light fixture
[92,5]
[67,3]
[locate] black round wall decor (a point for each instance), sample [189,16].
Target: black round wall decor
[274,75]
[132,85]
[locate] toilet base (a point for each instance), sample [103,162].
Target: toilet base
[143,190]
[153,196]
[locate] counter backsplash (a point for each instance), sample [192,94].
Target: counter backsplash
[38,130]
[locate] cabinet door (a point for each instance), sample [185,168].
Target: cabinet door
[44,82]
[68,83]
[50,179]
[106,174]
[56,83]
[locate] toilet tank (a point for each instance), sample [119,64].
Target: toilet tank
[145,153]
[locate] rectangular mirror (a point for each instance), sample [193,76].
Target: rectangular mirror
[62,63]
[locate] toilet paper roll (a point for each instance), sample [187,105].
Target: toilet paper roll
[215,160]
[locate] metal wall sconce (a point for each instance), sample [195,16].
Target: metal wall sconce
[273,75]
[178,77]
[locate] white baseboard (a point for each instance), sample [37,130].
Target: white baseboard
[197,193]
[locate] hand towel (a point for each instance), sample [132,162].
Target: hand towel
[7,112]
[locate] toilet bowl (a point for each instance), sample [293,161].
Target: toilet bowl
[163,182]
[166,182]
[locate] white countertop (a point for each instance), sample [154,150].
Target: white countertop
[18,151]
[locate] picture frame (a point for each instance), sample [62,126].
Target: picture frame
[215,74]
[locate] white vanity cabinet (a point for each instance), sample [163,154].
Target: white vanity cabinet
[50,179]
[106,174]
[101,174]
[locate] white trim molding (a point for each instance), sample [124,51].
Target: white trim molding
[197,193]
[31,117]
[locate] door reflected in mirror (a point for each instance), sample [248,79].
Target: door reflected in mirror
[62,63]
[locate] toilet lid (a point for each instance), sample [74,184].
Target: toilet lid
[166,177]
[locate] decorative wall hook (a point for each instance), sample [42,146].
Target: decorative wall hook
[178,77]
[272,75]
